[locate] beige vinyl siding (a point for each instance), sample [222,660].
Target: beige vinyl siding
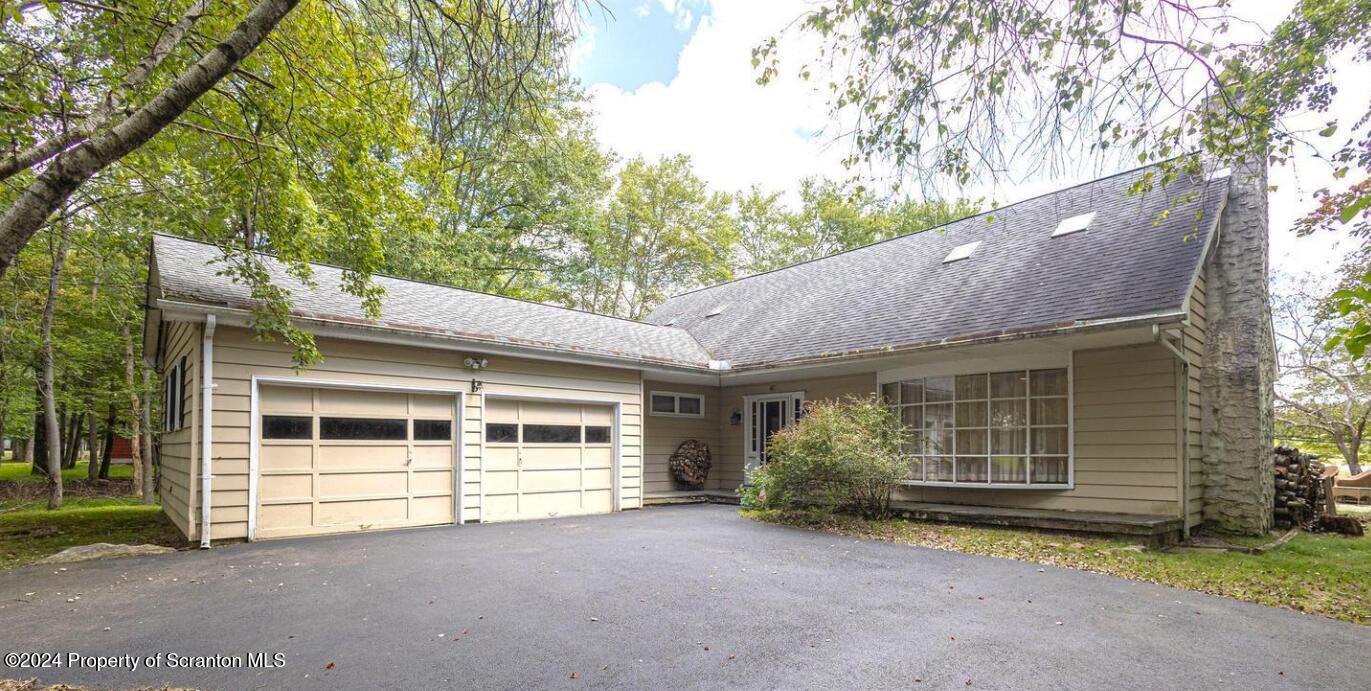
[728,466]
[1124,435]
[1195,334]
[663,434]
[180,449]
[238,357]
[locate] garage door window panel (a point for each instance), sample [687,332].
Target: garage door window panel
[502,433]
[552,434]
[294,427]
[362,429]
[598,434]
[432,430]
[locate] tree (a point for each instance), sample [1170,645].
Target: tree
[943,89]
[664,231]
[289,129]
[1324,393]
[833,217]
[46,386]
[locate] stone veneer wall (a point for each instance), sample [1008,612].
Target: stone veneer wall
[1239,364]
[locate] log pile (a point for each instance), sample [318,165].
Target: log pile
[1300,494]
[690,464]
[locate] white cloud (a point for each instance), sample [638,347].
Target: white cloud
[642,10]
[737,132]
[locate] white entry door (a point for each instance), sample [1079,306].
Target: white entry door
[767,414]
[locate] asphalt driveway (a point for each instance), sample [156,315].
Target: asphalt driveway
[685,596]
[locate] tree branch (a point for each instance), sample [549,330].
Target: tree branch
[75,166]
[114,100]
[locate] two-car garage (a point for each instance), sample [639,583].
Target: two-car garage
[337,458]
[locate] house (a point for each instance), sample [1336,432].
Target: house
[1081,353]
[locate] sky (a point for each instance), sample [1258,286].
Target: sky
[675,76]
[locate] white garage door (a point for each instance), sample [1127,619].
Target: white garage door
[547,459]
[334,460]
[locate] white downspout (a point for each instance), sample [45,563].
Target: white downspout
[206,427]
[1185,426]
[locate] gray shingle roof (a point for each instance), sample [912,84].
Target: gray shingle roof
[899,293]
[187,271]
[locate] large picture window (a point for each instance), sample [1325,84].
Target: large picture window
[993,429]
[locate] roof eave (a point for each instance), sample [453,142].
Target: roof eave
[340,328]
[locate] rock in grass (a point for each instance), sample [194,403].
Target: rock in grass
[103,550]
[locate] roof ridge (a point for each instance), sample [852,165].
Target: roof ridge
[922,230]
[435,284]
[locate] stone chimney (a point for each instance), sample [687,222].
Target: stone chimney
[1239,363]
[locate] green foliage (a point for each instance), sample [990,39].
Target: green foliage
[944,89]
[663,232]
[841,456]
[1324,394]
[832,217]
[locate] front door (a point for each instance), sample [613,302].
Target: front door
[767,415]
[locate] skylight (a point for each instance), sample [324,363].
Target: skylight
[716,311]
[962,251]
[1074,224]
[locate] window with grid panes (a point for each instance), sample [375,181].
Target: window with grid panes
[995,428]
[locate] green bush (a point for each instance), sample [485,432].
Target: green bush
[840,456]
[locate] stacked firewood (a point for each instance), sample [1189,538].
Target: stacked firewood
[690,464]
[1300,492]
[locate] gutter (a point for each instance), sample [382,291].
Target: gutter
[206,427]
[1183,448]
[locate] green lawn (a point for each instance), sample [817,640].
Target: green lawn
[10,470]
[1328,575]
[31,533]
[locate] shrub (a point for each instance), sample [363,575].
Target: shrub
[840,456]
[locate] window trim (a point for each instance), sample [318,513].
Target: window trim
[1055,360]
[676,404]
[173,397]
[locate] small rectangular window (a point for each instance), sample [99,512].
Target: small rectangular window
[677,404]
[432,430]
[552,434]
[597,435]
[287,427]
[688,405]
[502,433]
[362,428]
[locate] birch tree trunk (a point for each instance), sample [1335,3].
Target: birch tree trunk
[54,432]
[73,167]
[92,438]
[146,449]
[135,415]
